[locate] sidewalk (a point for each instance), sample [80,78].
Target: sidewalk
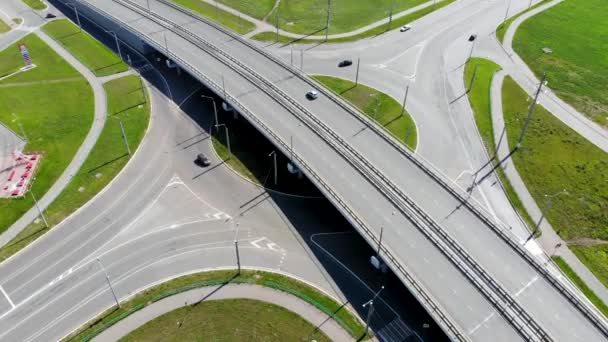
[83,151]
[287,301]
[522,74]
[262,26]
[549,239]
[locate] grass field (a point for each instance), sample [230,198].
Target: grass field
[380,107]
[228,320]
[35,4]
[96,56]
[272,280]
[224,18]
[126,102]
[503,27]
[577,70]
[255,8]
[56,117]
[569,272]
[271,36]
[553,157]
[479,97]
[4,27]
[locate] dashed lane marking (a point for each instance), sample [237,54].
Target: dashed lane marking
[7,297]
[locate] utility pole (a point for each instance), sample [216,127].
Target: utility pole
[46,223]
[77,17]
[328,17]
[227,137]
[407,90]
[109,283]
[531,110]
[214,108]
[274,161]
[357,76]
[380,242]
[472,79]
[390,16]
[370,312]
[124,136]
[236,244]
[507,12]
[117,44]
[548,205]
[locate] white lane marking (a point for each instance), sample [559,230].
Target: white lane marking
[269,244]
[7,297]
[472,331]
[526,286]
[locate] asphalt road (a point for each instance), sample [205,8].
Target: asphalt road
[533,292]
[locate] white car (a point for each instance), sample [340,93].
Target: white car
[312,94]
[405,28]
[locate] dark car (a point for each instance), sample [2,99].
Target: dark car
[202,160]
[345,63]
[472,37]
[50,16]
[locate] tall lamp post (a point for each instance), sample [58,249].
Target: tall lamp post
[370,311]
[214,108]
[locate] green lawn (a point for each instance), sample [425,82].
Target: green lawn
[503,27]
[224,18]
[479,97]
[35,4]
[308,17]
[228,320]
[255,8]
[569,272]
[4,27]
[382,108]
[104,162]
[56,117]
[577,70]
[326,304]
[96,56]
[553,157]
[397,23]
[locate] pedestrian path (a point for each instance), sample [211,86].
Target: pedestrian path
[287,301]
[549,238]
[83,151]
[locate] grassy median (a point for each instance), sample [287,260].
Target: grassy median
[4,26]
[321,301]
[228,320]
[54,104]
[258,9]
[501,30]
[35,4]
[97,57]
[577,69]
[217,15]
[127,103]
[378,106]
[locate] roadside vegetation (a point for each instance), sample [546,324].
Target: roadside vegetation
[4,27]
[55,116]
[228,320]
[378,106]
[479,97]
[554,158]
[97,57]
[577,69]
[35,4]
[321,301]
[258,9]
[569,272]
[127,103]
[396,24]
[217,15]
[501,30]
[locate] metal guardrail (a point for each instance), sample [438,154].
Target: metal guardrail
[504,302]
[423,165]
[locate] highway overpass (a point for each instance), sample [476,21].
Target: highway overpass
[467,270]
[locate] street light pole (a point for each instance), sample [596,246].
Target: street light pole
[407,90]
[380,241]
[357,75]
[370,312]
[236,244]
[227,137]
[46,223]
[507,12]
[472,79]
[117,44]
[548,204]
[77,17]
[109,283]
[328,17]
[531,110]
[390,16]
[274,158]
[214,107]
